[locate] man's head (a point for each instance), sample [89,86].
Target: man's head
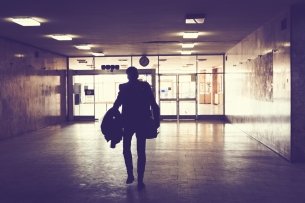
[132,73]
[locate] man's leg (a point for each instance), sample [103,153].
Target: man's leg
[127,154]
[141,147]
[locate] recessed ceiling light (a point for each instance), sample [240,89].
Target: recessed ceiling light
[98,54]
[61,37]
[188,45]
[82,61]
[83,46]
[186,52]
[195,19]
[190,35]
[26,21]
[19,55]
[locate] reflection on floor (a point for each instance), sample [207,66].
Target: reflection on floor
[188,162]
[166,108]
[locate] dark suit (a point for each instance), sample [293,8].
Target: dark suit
[136,99]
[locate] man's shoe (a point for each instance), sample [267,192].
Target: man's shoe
[141,185]
[130,179]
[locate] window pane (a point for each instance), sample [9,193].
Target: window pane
[187,108]
[83,103]
[168,108]
[210,85]
[177,64]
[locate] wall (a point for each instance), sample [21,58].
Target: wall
[32,88]
[298,83]
[257,85]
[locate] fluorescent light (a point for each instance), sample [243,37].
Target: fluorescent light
[98,54]
[61,37]
[19,55]
[195,19]
[186,52]
[190,35]
[187,45]
[83,46]
[26,21]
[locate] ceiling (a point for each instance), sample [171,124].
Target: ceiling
[136,27]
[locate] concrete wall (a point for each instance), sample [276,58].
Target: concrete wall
[258,85]
[32,88]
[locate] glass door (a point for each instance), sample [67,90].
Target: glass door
[168,91]
[84,97]
[107,88]
[187,104]
[94,92]
[177,94]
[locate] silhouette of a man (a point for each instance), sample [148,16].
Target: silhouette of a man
[136,99]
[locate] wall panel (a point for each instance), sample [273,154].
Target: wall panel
[32,88]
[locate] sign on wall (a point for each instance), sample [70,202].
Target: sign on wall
[89,92]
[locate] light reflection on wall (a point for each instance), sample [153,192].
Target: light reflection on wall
[267,120]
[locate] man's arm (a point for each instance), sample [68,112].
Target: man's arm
[154,106]
[119,100]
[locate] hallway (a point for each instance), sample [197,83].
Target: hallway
[188,162]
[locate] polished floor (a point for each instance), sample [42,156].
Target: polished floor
[189,162]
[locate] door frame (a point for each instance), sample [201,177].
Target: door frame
[71,73]
[178,99]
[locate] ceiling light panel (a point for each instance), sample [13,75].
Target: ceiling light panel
[195,19]
[98,54]
[26,21]
[61,37]
[188,45]
[83,46]
[192,35]
[186,52]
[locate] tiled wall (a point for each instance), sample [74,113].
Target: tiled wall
[32,88]
[257,85]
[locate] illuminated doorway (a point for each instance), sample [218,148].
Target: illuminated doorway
[93,92]
[177,93]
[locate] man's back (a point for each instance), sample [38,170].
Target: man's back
[136,99]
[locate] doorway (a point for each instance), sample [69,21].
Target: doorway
[178,96]
[93,92]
